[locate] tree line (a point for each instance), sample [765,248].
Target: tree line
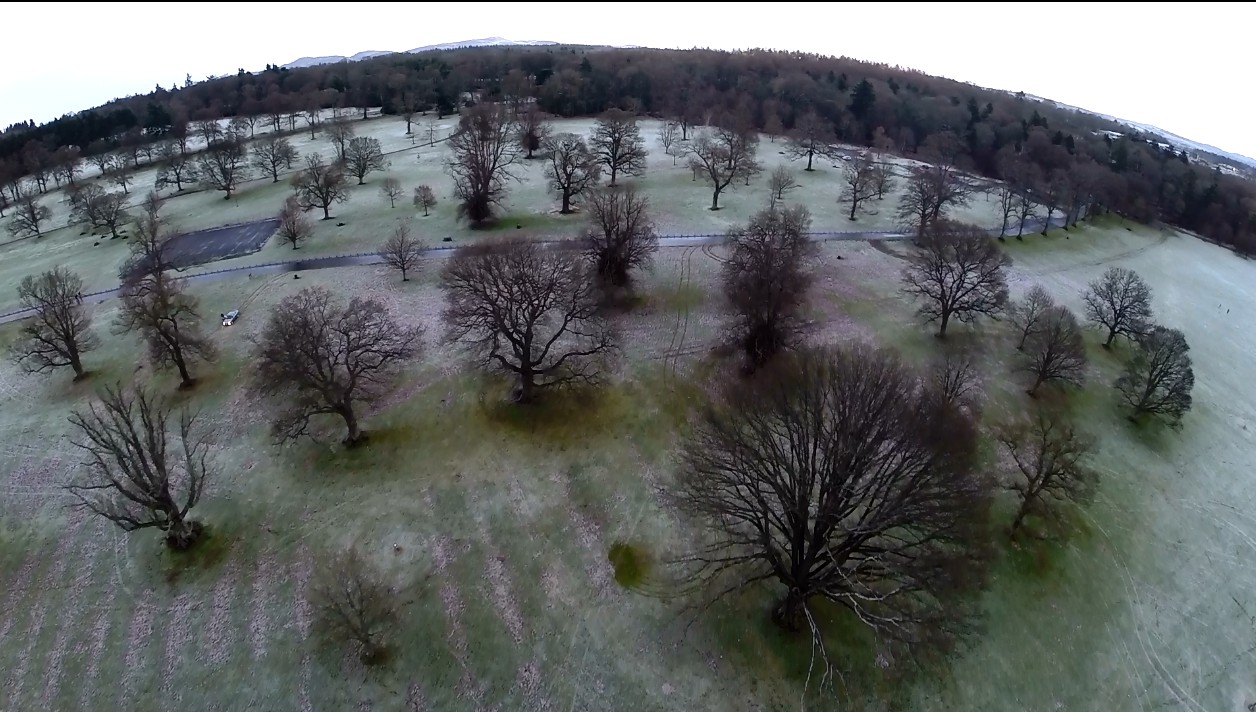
[1061,157]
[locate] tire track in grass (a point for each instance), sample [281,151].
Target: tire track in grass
[138,634]
[177,623]
[443,556]
[220,630]
[302,620]
[681,322]
[70,624]
[264,585]
[47,595]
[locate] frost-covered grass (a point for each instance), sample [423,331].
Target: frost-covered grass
[680,205]
[498,522]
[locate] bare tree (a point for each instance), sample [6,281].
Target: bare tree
[155,307]
[407,107]
[176,167]
[1006,195]
[320,185]
[669,138]
[533,129]
[929,191]
[208,130]
[294,227]
[1049,454]
[340,133]
[766,280]
[134,478]
[1055,352]
[1119,301]
[617,144]
[842,478]
[529,310]
[811,137]
[955,379]
[67,164]
[859,182]
[122,175]
[391,189]
[572,167]
[364,156]
[101,160]
[424,198]
[402,252]
[239,129]
[1027,313]
[354,603]
[1158,378]
[85,204]
[620,237]
[28,217]
[1025,208]
[883,178]
[59,332]
[722,155]
[959,274]
[110,211]
[223,166]
[317,357]
[310,114]
[272,154]
[780,183]
[482,154]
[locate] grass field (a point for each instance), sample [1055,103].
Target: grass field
[363,224]
[498,523]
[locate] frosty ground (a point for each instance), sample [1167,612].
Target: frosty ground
[497,523]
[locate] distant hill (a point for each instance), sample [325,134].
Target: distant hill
[1178,142]
[482,42]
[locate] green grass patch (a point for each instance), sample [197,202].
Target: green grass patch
[632,564]
[203,559]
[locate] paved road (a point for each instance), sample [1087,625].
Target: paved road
[352,260]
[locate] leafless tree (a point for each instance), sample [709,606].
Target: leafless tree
[28,217]
[620,237]
[780,183]
[883,178]
[529,310]
[122,175]
[340,132]
[320,185]
[859,182]
[1050,192]
[1158,378]
[407,107]
[391,189]
[533,129]
[209,131]
[85,204]
[109,210]
[482,154]
[223,166]
[155,306]
[1119,301]
[929,192]
[766,280]
[364,156]
[272,154]
[842,478]
[812,136]
[617,144]
[135,479]
[317,357]
[176,167]
[37,161]
[959,273]
[424,198]
[954,378]
[59,332]
[67,164]
[1055,352]
[354,603]
[1049,454]
[310,114]
[572,167]
[239,129]
[402,252]
[1025,209]
[669,137]
[102,161]
[294,227]
[1006,195]
[722,155]
[1027,313]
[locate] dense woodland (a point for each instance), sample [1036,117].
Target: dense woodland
[1064,158]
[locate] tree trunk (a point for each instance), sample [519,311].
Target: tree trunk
[810,154]
[1020,516]
[1047,223]
[527,387]
[327,212]
[425,210]
[1033,390]
[185,378]
[946,318]
[77,365]
[1111,336]
[614,172]
[566,203]
[715,199]
[354,435]
[182,533]
[853,204]
[361,181]
[788,613]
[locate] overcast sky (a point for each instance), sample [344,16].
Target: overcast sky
[1168,65]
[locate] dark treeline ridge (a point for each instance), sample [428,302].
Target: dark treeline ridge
[1063,155]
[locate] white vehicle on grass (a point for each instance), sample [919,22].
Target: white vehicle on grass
[229,318]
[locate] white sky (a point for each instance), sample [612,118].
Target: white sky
[1169,65]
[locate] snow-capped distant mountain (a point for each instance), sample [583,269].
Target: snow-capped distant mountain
[482,42]
[1178,142]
